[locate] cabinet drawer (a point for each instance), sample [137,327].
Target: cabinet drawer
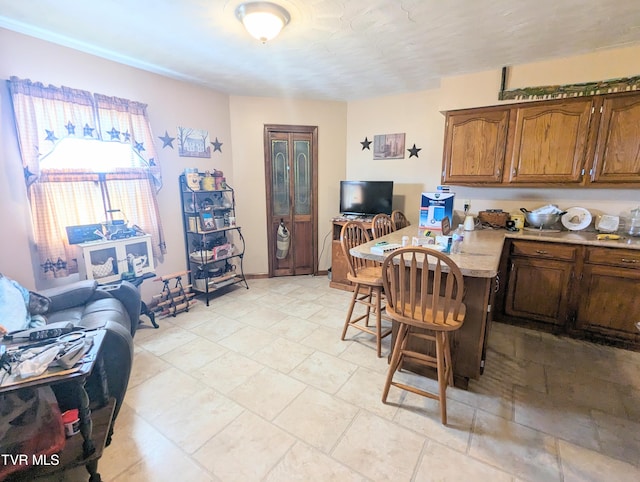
[627,258]
[544,250]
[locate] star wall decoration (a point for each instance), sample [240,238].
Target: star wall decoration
[127,136]
[138,147]
[167,140]
[217,145]
[365,144]
[414,151]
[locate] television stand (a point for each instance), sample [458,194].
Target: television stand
[339,267]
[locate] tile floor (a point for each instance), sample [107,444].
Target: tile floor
[258,386]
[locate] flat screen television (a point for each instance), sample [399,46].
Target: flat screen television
[363,198]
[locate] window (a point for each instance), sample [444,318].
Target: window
[84,156]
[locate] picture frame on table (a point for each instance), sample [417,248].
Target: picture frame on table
[206,220]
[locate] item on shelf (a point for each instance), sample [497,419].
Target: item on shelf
[103,269]
[202,256]
[207,182]
[222,251]
[218,222]
[137,263]
[193,178]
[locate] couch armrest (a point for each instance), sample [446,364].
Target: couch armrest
[68,296]
[128,295]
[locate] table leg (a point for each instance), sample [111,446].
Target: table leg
[86,429]
[144,310]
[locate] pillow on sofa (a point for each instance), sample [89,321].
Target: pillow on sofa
[14,307]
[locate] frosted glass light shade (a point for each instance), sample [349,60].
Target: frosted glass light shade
[263,20]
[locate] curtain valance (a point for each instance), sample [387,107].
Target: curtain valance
[47,114]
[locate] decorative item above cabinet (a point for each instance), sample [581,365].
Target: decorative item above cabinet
[587,141]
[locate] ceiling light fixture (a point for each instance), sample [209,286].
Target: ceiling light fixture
[263,20]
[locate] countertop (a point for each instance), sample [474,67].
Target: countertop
[482,248]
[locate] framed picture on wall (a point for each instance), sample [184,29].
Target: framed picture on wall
[388,146]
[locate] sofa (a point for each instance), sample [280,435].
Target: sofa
[114,308]
[90,305]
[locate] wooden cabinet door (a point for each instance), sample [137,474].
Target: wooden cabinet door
[617,152]
[550,142]
[291,179]
[538,289]
[610,301]
[475,146]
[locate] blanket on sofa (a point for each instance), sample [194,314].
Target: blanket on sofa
[19,310]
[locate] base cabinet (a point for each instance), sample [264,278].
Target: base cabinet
[610,294]
[583,291]
[538,290]
[339,263]
[108,261]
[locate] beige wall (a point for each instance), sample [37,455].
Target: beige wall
[418,114]
[248,117]
[171,103]
[238,123]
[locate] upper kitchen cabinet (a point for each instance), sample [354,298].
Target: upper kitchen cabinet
[475,146]
[586,141]
[617,150]
[549,142]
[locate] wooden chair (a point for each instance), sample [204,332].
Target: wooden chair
[427,304]
[367,276]
[381,225]
[399,220]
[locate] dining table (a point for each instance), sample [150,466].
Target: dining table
[479,260]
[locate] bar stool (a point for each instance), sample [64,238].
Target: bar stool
[424,295]
[381,225]
[364,275]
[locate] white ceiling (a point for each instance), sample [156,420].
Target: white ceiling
[332,49]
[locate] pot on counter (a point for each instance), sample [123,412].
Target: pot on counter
[541,220]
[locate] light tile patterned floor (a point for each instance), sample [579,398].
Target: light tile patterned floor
[258,386]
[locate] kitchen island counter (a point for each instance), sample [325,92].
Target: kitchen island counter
[479,262]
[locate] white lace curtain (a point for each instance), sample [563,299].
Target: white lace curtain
[44,116]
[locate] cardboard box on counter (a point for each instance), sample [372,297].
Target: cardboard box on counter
[434,207]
